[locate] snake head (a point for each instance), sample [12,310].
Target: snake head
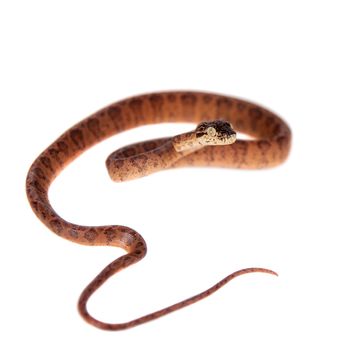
[217,132]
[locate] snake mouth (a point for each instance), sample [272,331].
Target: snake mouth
[227,139]
[230,138]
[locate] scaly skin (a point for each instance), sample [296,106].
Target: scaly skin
[269,147]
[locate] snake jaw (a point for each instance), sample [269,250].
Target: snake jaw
[217,132]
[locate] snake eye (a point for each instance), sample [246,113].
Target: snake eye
[211,131]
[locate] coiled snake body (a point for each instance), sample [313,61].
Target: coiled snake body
[212,143]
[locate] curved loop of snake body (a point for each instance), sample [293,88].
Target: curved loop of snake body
[269,146]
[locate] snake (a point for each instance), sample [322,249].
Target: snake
[213,142]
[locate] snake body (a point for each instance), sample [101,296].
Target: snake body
[269,146]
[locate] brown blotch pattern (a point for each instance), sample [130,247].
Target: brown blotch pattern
[63,147]
[46,162]
[241,106]
[111,234]
[207,99]
[224,107]
[56,226]
[157,102]
[39,173]
[78,138]
[74,233]
[90,235]
[136,106]
[264,146]
[171,97]
[55,154]
[188,105]
[93,126]
[115,114]
[255,115]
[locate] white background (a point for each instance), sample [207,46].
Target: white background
[63,60]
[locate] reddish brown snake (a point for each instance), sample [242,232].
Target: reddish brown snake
[215,114]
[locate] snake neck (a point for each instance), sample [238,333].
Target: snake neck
[186,142]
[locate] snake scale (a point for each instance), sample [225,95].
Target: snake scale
[212,143]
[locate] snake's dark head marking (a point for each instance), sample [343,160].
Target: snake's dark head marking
[217,132]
